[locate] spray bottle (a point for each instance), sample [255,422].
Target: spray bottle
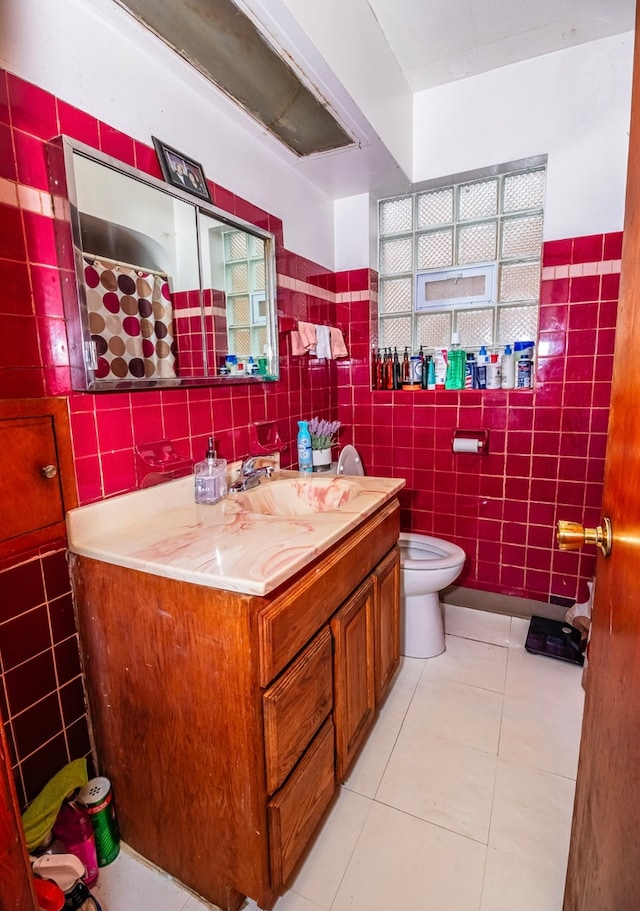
[305,458]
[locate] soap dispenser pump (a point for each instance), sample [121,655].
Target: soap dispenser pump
[210,477]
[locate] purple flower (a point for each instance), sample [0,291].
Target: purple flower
[324,434]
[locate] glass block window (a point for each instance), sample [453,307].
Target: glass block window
[245,290]
[441,240]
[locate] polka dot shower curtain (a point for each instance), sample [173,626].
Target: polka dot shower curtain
[130,321]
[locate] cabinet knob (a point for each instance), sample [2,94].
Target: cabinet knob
[49,471]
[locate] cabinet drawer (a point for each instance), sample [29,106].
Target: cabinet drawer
[295,707]
[291,620]
[297,808]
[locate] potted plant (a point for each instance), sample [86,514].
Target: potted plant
[324,435]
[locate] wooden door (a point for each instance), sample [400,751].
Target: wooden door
[387,621]
[603,872]
[16,890]
[354,686]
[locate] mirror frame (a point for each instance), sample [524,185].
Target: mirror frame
[76,311]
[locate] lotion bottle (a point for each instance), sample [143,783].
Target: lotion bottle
[508,364]
[305,458]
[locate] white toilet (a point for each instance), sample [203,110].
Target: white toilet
[427,566]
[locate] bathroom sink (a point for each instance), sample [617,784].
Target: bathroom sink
[296,496]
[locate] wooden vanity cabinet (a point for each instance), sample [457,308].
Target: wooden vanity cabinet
[221,718]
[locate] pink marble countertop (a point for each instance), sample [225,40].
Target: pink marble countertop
[250,542]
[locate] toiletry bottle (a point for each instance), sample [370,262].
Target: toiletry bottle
[380,370]
[524,372]
[508,365]
[470,371]
[305,459]
[494,372]
[481,369]
[397,370]
[441,367]
[406,367]
[455,364]
[416,370]
[388,370]
[431,372]
[210,477]
[73,828]
[424,376]
[375,369]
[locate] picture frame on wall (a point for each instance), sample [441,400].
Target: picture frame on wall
[181,171]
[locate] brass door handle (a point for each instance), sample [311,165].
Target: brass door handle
[572,536]
[49,471]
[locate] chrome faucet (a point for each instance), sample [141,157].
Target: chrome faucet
[253,468]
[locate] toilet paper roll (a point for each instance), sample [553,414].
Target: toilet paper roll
[466,444]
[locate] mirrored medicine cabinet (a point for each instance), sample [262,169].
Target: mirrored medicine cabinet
[170,290]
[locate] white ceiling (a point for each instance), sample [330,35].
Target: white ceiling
[440,41]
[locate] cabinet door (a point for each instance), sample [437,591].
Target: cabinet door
[354,684]
[36,473]
[387,621]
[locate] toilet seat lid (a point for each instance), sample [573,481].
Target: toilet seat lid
[349,462]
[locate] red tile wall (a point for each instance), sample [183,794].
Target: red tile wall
[547,446]
[41,691]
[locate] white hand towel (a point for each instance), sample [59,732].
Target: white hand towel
[323,347]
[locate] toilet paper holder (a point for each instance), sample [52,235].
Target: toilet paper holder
[473,441]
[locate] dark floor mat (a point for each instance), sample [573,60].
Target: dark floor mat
[554,639]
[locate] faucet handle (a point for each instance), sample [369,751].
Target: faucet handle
[253,463]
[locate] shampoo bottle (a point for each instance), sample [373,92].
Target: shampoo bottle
[305,459]
[210,477]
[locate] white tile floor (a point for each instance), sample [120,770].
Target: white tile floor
[460,800]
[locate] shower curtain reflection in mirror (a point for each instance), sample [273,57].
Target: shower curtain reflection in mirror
[130,313]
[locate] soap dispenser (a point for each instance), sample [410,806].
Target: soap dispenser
[210,477]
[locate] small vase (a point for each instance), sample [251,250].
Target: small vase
[321,459]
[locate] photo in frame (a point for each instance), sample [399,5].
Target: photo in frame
[181,171]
